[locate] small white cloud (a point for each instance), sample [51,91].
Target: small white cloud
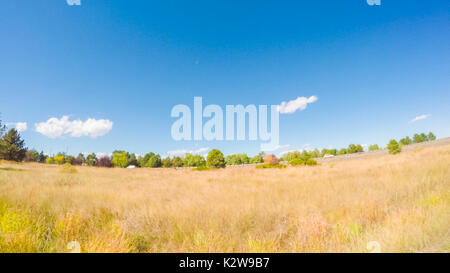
[21,126]
[298,104]
[55,127]
[421,117]
[183,152]
[100,155]
[278,148]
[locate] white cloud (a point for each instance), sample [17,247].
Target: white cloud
[21,126]
[298,104]
[100,155]
[421,117]
[55,127]
[183,152]
[278,147]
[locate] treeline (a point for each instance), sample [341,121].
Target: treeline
[357,148]
[123,159]
[12,147]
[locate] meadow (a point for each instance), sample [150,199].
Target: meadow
[400,202]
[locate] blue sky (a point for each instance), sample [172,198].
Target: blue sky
[372,68]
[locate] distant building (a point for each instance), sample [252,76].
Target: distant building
[271,159]
[131,167]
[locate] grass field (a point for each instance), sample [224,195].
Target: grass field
[400,202]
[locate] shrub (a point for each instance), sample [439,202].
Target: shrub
[310,162]
[201,168]
[297,162]
[215,159]
[394,147]
[269,166]
[67,168]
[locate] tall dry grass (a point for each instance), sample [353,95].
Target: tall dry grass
[401,202]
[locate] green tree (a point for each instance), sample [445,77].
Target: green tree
[424,137]
[256,159]
[12,146]
[166,162]
[237,159]
[352,149]
[154,162]
[32,156]
[394,147]
[191,160]
[143,160]
[91,159]
[431,136]
[119,159]
[177,162]
[343,151]
[405,141]
[418,138]
[2,129]
[291,155]
[215,159]
[315,153]
[132,160]
[374,147]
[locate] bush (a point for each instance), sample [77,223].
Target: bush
[302,162]
[201,168]
[67,168]
[297,162]
[310,162]
[215,159]
[270,166]
[394,147]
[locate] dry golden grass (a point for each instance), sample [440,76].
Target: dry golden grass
[402,202]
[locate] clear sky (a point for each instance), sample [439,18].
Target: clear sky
[373,69]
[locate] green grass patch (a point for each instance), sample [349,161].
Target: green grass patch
[11,169]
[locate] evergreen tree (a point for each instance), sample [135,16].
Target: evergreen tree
[12,146]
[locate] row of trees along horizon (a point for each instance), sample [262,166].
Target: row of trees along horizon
[12,148]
